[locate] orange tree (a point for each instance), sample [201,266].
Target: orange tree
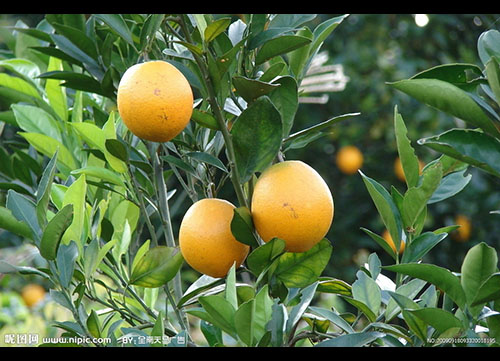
[91,194]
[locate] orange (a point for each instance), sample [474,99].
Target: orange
[398,169]
[155,100]
[292,202]
[387,236]
[32,294]
[462,234]
[205,238]
[349,159]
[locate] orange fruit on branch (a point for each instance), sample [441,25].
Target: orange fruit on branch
[349,159]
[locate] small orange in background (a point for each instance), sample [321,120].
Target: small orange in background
[387,236]
[462,234]
[32,294]
[349,159]
[398,169]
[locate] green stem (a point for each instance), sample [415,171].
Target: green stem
[212,99]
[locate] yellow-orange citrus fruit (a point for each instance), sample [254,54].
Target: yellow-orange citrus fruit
[388,238]
[205,238]
[155,100]
[292,202]
[462,234]
[398,169]
[32,294]
[349,159]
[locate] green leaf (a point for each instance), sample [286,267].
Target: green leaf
[479,264]
[66,261]
[449,99]
[230,291]
[93,324]
[386,208]
[366,290]
[438,276]
[23,209]
[251,89]
[55,93]
[488,291]
[416,198]
[117,149]
[323,30]
[408,290]
[286,100]
[157,267]
[261,257]
[243,320]
[205,119]
[487,45]
[450,185]
[76,195]
[441,320]
[301,269]
[117,24]
[276,323]
[421,245]
[455,74]
[44,189]
[333,317]
[103,174]
[34,119]
[262,313]
[151,26]
[221,313]
[9,223]
[256,137]
[207,158]
[381,242]
[48,146]
[492,70]
[409,160]
[19,85]
[298,310]
[53,232]
[473,147]
[280,45]
[76,81]
[334,286]
[216,28]
[357,339]
[242,227]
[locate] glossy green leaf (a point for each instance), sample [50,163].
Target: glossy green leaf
[10,223]
[408,290]
[469,146]
[450,185]
[438,276]
[487,45]
[381,242]
[76,195]
[34,119]
[44,189]
[19,85]
[297,311]
[488,291]
[56,94]
[251,89]
[256,137]
[441,320]
[286,99]
[66,261]
[409,160]
[48,146]
[334,286]
[76,81]
[103,174]
[302,269]
[492,70]
[243,321]
[117,24]
[242,227]
[280,45]
[53,232]
[23,209]
[479,264]
[221,313]
[449,99]
[416,198]
[366,290]
[215,28]
[117,149]
[208,159]
[93,324]
[151,26]
[357,339]
[386,208]
[261,257]
[421,245]
[333,317]
[157,267]
[205,119]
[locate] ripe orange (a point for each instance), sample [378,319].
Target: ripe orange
[349,159]
[155,100]
[32,294]
[388,238]
[292,202]
[205,238]
[462,234]
[398,169]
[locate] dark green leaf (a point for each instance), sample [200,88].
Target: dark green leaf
[117,24]
[357,339]
[158,266]
[251,89]
[23,209]
[43,190]
[366,290]
[286,100]
[66,261]
[53,232]
[205,119]
[262,256]
[438,318]
[280,45]
[117,149]
[409,160]
[208,159]
[242,227]
[450,185]
[257,137]
[421,245]
[469,146]
[488,291]
[216,28]
[76,81]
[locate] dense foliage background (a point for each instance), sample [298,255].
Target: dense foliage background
[373,49]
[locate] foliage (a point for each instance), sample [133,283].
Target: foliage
[95,202]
